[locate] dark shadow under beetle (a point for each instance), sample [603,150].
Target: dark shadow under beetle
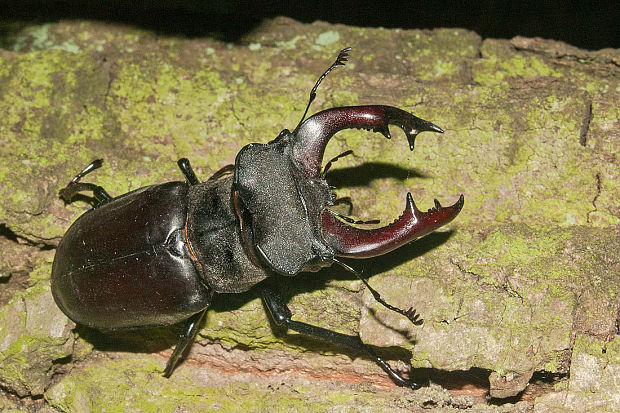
[367,172]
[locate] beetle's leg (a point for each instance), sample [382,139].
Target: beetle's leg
[345,200]
[190,176]
[329,163]
[355,221]
[187,170]
[281,315]
[187,338]
[68,192]
[221,172]
[75,186]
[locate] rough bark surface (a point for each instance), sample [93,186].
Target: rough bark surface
[519,294]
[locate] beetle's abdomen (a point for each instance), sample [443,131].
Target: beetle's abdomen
[125,264]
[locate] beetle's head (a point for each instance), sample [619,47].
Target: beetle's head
[283,199]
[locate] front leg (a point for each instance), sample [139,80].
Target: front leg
[75,186]
[281,315]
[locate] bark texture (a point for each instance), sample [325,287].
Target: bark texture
[519,294]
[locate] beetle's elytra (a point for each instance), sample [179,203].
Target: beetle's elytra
[158,255]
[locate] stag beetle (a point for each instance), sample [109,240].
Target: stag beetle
[156,256]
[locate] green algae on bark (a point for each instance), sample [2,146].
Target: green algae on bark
[595,369]
[510,301]
[34,337]
[531,140]
[137,385]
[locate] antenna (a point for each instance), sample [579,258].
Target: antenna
[343,57]
[411,313]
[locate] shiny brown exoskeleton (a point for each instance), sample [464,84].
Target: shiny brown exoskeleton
[158,255]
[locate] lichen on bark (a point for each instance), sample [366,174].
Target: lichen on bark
[524,283]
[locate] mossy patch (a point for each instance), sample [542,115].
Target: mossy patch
[33,337]
[131,385]
[523,281]
[528,262]
[594,371]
